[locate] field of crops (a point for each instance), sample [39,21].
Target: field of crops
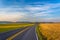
[50,30]
[13,26]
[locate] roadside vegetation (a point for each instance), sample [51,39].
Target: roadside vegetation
[7,29]
[39,34]
[13,26]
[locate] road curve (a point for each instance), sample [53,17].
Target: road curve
[30,34]
[26,34]
[5,35]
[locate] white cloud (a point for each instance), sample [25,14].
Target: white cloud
[51,19]
[43,10]
[5,15]
[42,7]
[46,10]
[10,17]
[44,13]
[29,13]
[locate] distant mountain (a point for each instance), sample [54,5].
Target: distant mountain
[3,22]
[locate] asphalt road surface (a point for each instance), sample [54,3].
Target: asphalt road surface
[27,33]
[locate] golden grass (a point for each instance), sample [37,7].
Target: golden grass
[50,30]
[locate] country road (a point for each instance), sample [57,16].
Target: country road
[27,33]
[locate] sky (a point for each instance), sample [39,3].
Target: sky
[30,10]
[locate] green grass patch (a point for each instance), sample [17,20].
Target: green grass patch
[7,29]
[13,26]
[40,36]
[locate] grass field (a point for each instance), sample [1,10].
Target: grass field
[13,26]
[50,30]
[39,34]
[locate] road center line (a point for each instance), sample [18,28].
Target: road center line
[13,36]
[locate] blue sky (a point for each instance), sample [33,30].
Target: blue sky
[30,10]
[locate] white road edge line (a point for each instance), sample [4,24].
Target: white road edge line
[36,33]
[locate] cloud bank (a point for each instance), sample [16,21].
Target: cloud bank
[46,12]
